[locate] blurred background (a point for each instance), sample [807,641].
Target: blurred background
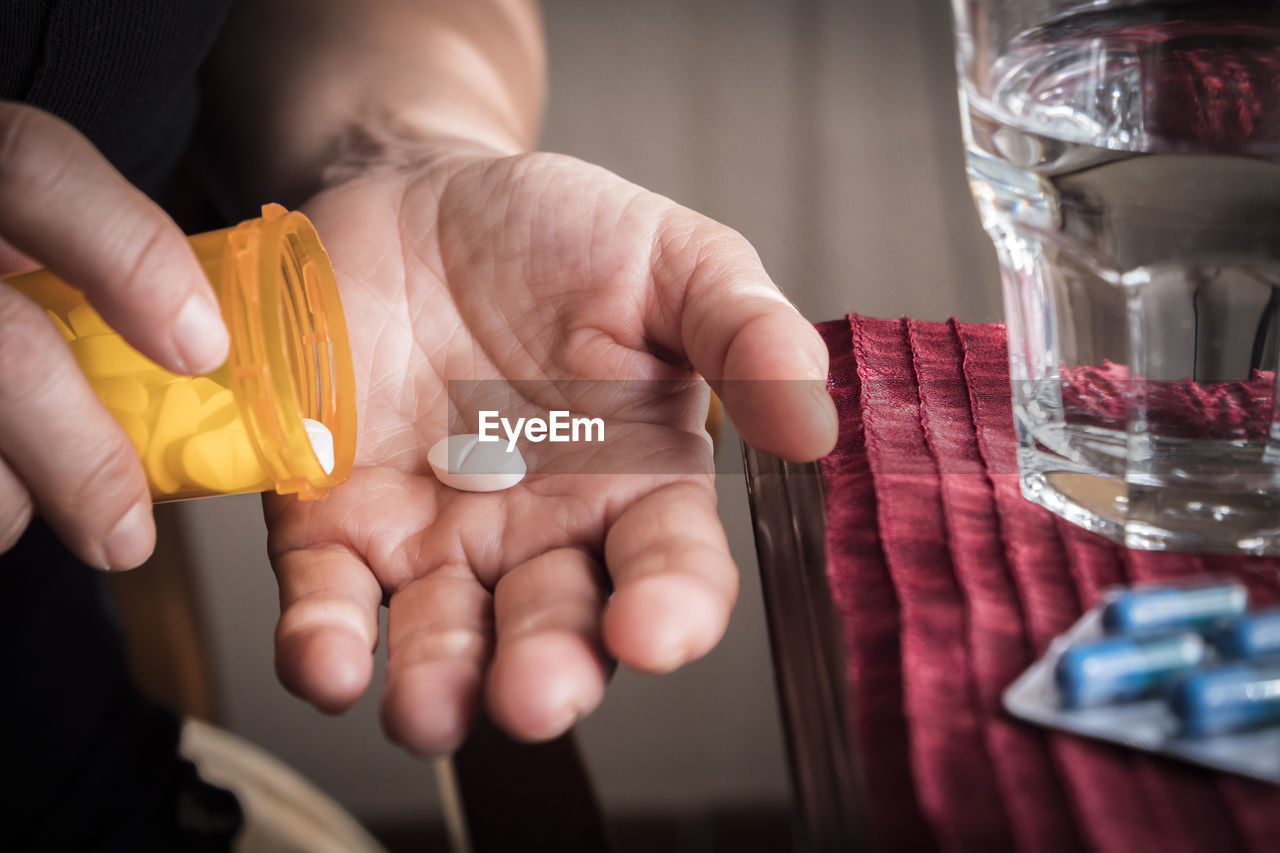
[826,132]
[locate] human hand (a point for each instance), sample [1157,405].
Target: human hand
[61,453]
[534,269]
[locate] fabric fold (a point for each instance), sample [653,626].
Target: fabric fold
[948,583]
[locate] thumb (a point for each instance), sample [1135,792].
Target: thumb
[767,362]
[62,204]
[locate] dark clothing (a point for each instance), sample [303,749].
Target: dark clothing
[90,764]
[122,71]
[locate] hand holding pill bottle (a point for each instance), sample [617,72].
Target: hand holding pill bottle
[278,415]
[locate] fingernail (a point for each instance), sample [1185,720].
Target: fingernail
[828,406]
[199,335]
[565,720]
[672,657]
[130,542]
[818,366]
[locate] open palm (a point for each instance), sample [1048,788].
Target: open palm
[543,283]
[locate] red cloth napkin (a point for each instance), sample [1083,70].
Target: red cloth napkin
[949,583]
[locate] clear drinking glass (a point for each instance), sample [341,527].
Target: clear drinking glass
[1125,158]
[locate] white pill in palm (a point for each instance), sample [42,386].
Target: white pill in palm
[471,465]
[321,443]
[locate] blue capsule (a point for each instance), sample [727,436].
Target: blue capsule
[1152,609]
[1118,669]
[1229,698]
[1254,635]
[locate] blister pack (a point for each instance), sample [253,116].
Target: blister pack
[1183,670]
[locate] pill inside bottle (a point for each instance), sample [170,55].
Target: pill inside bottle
[279,414]
[321,443]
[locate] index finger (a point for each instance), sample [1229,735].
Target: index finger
[63,204]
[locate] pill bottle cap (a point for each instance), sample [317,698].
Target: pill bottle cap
[290,357]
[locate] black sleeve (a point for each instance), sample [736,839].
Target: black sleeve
[122,71]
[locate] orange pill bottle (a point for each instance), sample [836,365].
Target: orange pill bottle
[243,427]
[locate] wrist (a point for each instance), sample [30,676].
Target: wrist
[290,109]
[404,141]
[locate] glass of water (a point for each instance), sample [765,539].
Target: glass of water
[1125,159]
